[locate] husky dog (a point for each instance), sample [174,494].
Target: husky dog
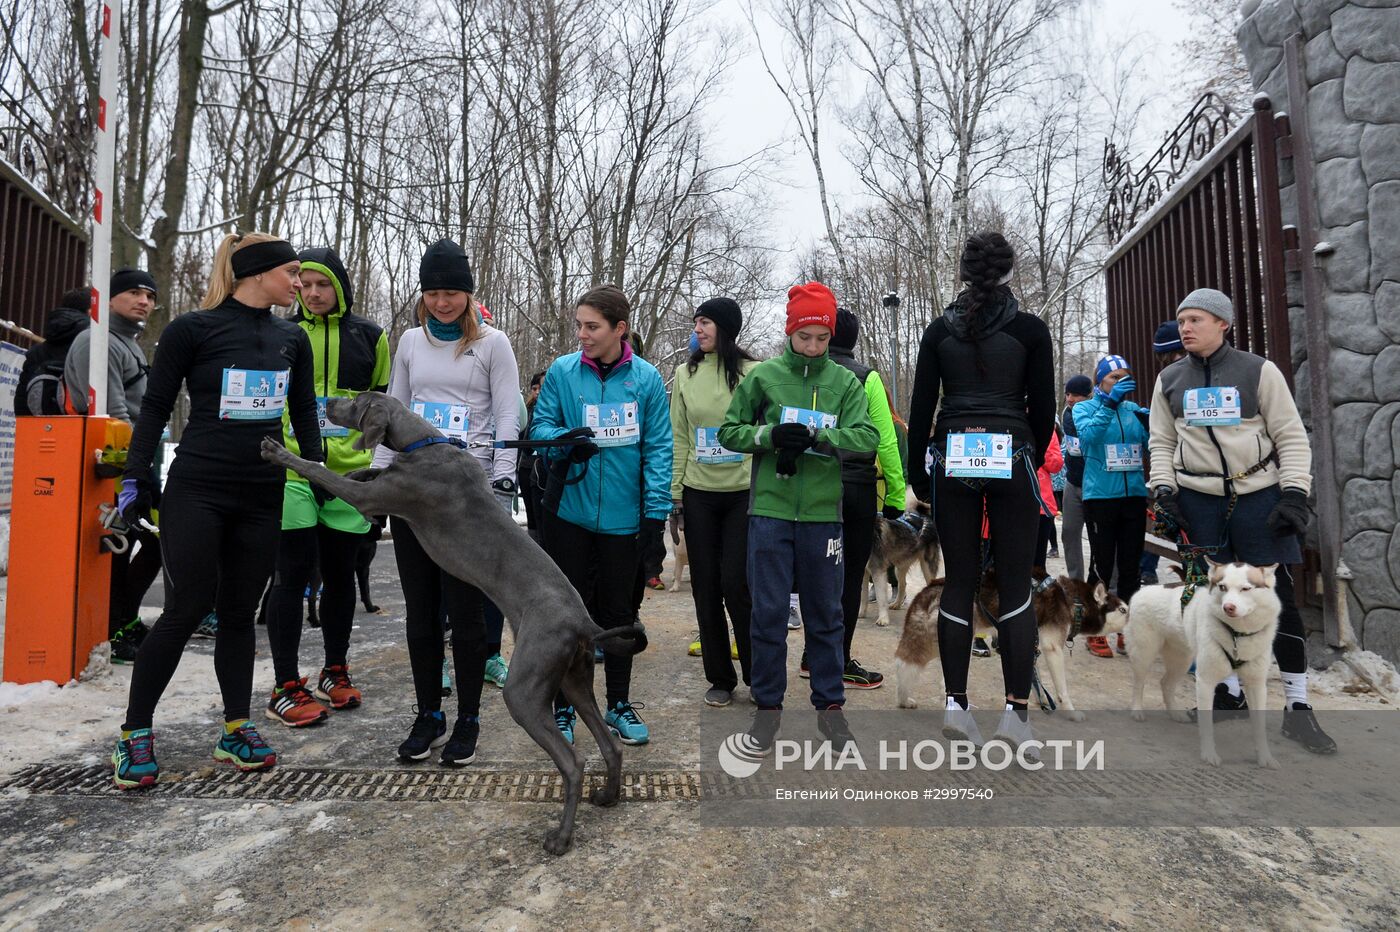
[899,543]
[1064,607]
[1228,626]
[676,525]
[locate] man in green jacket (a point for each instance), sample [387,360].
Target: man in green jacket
[793,413]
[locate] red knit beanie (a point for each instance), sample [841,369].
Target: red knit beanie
[809,305]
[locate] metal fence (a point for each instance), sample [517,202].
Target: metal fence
[1202,212]
[43,253]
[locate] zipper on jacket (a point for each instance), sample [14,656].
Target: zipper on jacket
[1210,432]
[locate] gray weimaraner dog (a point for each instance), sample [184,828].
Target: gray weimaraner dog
[442,491]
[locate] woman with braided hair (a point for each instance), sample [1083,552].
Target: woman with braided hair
[993,367]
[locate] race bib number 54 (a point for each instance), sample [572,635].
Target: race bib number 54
[253,394]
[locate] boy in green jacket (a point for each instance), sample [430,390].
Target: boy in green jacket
[793,413]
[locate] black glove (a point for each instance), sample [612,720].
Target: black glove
[1291,515]
[792,437]
[321,495]
[1165,502]
[583,452]
[787,462]
[134,501]
[892,513]
[649,536]
[576,432]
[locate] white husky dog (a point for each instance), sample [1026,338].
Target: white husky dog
[1228,627]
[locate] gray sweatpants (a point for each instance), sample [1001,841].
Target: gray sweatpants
[1072,531]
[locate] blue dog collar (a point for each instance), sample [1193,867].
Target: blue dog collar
[428,441]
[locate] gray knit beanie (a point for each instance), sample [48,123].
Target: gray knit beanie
[1212,302]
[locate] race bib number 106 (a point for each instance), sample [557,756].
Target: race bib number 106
[978,456]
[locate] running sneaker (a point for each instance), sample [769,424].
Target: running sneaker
[564,718]
[496,670]
[429,731]
[733,651]
[1052,554]
[1098,646]
[1225,701]
[1122,646]
[597,655]
[127,640]
[831,722]
[134,761]
[718,697]
[803,670]
[980,648]
[694,649]
[293,705]
[656,583]
[622,718]
[335,687]
[446,678]
[763,731]
[959,725]
[208,628]
[1015,730]
[794,617]
[857,677]
[1300,724]
[460,749]
[245,749]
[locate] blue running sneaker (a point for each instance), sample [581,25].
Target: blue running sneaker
[134,761]
[446,678]
[624,722]
[208,628]
[496,670]
[245,749]
[429,731]
[564,718]
[597,655]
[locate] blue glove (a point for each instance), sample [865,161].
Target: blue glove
[134,501]
[1121,389]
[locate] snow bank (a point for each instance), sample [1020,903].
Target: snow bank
[1359,672]
[17,694]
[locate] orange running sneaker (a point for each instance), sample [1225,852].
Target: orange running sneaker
[1098,646]
[335,687]
[293,705]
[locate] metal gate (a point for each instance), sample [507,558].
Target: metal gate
[1202,212]
[43,253]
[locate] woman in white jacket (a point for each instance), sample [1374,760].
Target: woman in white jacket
[460,374]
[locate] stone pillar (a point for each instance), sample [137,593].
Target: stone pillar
[1351,58]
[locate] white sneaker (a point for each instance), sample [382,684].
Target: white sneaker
[1016,733]
[794,618]
[958,724]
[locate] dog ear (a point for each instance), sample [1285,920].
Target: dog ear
[1100,593]
[373,426]
[1269,571]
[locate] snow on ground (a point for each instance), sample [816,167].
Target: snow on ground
[1359,673]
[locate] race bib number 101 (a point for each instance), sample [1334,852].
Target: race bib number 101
[253,394]
[614,423]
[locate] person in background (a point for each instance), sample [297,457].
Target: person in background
[1054,462]
[531,486]
[42,390]
[1077,389]
[1166,345]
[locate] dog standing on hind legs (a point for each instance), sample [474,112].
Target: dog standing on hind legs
[442,492]
[1227,627]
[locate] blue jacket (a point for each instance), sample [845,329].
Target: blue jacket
[636,476]
[1098,425]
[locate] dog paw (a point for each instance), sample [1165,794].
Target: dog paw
[604,797]
[1074,715]
[1211,758]
[908,704]
[1139,715]
[882,622]
[1180,716]
[272,451]
[556,842]
[1268,762]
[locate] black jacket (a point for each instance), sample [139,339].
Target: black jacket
[1001,381]
[61,327]
[1074,465]
[195,349]
[856,468]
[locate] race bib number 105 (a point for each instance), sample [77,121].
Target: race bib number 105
[1217,406]
[253,394]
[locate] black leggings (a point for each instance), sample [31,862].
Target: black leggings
[299,552]
[1117,529]
[1013,513]
[428,592]
[716,538]
[603,569]
[364,555]
[858,506]
[219,544]
[131,577]
[1045,540]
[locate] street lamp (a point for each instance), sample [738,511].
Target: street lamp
[891,303]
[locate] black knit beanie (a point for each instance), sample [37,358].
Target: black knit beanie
[847,330]
[725,313]
[127,279]
[445,267]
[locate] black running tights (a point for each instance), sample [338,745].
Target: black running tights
[219,543]
[427,592]
[299,552]
[1013,514]
[859,503]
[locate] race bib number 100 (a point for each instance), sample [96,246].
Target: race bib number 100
[1217,406]
[1122,457]
[978,456]
[614,423]
[253,394]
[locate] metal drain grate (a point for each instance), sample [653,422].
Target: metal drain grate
[290,784]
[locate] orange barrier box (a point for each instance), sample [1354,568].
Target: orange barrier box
[60,575]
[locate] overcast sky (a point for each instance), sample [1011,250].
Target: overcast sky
[758,115]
